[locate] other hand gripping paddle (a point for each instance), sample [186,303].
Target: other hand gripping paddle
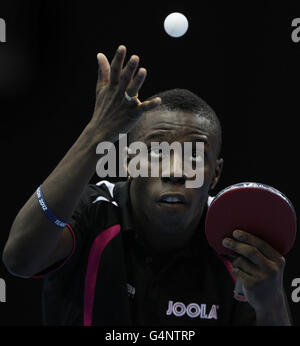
[256,208]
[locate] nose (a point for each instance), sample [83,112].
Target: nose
[176,175]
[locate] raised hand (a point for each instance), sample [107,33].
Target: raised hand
[114,113]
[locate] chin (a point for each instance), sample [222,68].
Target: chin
[170,222]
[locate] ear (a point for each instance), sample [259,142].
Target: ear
[217,173]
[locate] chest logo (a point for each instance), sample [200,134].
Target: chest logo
[193,310]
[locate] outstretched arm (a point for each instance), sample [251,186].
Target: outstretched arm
[34,242]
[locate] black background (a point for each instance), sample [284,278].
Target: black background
[237,56]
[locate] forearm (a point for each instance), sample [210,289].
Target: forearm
[277,315]
[33,237]
[63,187]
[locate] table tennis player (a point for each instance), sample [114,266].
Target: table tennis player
[135,252]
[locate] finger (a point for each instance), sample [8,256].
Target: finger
[149,105]
[245,265]
[260,244]
[117,65]
[248,251]
[137,82]
[243,276]
[230,257]
[103,69]
[128,73]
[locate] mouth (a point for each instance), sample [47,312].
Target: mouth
[172,199]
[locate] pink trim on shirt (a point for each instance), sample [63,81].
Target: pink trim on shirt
[95,254]
[228,266]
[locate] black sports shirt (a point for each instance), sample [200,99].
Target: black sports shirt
[109,278]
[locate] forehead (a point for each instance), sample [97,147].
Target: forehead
[174,125]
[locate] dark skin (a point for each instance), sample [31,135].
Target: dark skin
[169,227]
[35,243]
[260,269]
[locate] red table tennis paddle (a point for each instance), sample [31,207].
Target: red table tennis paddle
[256,208]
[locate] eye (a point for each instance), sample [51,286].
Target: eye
[197,155]
[155,152]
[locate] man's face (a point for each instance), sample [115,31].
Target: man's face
[166,202]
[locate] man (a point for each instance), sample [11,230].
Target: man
[135,253]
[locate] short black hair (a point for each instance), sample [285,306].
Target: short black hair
[185,100]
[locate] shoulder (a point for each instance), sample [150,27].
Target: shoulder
[95,193]
[103,190]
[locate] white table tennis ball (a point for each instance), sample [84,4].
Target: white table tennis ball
[176,24]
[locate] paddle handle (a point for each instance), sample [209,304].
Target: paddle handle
[239,292]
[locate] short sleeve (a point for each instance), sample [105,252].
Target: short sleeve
[80,225]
